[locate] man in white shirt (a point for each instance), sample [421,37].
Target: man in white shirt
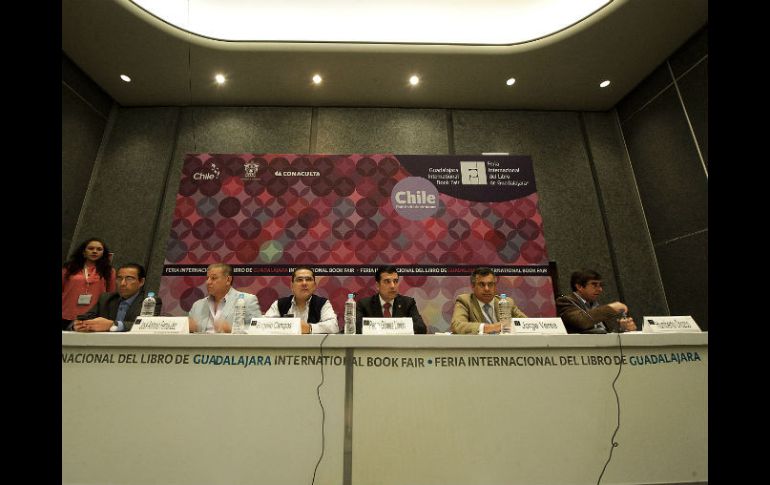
[215,313]
[315,312]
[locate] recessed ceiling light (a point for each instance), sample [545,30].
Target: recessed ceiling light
[125,78]
[220,78]
[604,83]
[414,80]
[317,79]
[510,81]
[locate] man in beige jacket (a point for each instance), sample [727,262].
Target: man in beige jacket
[477,312]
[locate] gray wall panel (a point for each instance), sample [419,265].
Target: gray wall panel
[684,268]
[630,244]
[82,129]
[247,129]
[691,52]
[382,130]
[663,136]
[572,221]
[693,87]
[644,92]
[122,206]
[89,92]
[670,175]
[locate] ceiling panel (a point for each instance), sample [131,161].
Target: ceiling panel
[624,42]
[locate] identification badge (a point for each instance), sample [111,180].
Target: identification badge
[84,299]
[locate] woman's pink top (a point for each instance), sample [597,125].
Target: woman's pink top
[77,285]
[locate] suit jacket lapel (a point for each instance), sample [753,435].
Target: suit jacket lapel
[112,306]
[579,302]
[136,307]
[376,307]
[476,310]
[398,307]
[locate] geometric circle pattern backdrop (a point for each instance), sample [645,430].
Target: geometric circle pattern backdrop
[338,210]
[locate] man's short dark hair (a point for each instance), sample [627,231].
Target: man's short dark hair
[582,277]
[384,269]
[138,267]
[294,273]
[481,271]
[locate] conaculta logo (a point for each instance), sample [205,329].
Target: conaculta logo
[289,173]
[210,172]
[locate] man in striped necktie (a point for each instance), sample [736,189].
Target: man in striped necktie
[476,313]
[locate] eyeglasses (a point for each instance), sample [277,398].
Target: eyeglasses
[128,279]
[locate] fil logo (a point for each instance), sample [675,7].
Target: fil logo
[251,168]
[210,172]
[473,173]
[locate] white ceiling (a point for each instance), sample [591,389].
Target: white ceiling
[622,42]
[501,22]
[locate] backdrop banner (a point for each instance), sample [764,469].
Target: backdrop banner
[434,217]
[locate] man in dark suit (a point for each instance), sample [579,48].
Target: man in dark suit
[387,302]
[116,311]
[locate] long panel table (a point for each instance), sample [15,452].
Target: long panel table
[426,409]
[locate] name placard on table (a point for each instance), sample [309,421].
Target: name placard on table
[161,325]
[274,326]
[675,324]
[387,326]
[538,326]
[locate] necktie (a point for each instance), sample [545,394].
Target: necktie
[488,311]
[122,309]
[386,310]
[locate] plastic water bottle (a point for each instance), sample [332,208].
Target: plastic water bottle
[148,305]
[239,322]
[504,314]
[350,315]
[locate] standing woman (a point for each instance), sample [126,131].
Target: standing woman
[84,277]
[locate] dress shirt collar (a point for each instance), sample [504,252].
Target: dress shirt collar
[294,302]
[232,292]
[383,302]
[130,299]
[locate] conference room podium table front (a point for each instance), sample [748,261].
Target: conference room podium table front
[391,410]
